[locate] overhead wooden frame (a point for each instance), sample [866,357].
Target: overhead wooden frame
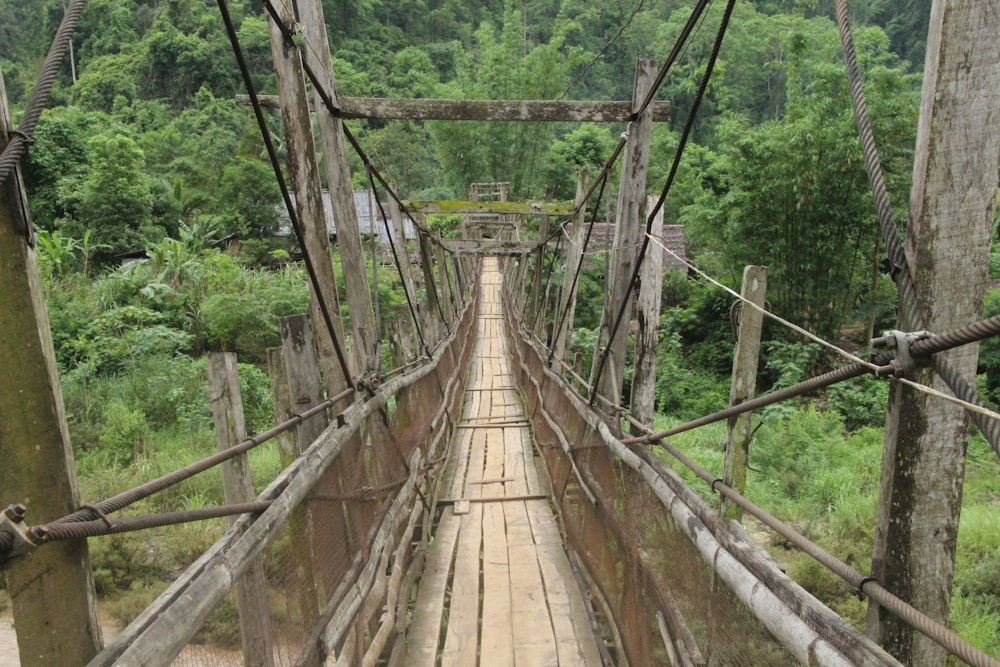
[573,111]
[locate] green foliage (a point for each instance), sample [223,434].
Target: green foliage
[989,350]
[680,392]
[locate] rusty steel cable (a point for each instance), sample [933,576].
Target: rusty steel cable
[909,310]
[276,166]
[126,498]
[865,584]
[56,531]
[682,143]
[19,141]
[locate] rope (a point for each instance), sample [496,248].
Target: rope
[688,126]
[276,166]
[17,148]
[909,310]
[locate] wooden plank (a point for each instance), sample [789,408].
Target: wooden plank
[422,637]
[460,507]
[482,110]
[575,643]
[534,639]
[497,622]
[488,246]
[462,640]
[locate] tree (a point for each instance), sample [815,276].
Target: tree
[115,199]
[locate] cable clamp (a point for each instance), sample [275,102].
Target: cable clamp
[899,342]
[15,541]
[861,586]
[100,514]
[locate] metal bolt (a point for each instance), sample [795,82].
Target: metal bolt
[16,513]
[38,534]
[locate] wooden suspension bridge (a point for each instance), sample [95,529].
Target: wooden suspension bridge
[469,507]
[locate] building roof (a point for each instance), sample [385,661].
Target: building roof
[602,239]
[364,205]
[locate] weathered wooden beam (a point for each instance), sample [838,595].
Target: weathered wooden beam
[629,226]
[501,207]
[571,111]
[52,592]
[744,385]
[643,395]
[952,204]
[487,246]
[574,255]
[364,328]
[309,203]
[237,487]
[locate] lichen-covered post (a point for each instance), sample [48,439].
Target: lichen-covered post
[952,204]
[237,487]
[51,590]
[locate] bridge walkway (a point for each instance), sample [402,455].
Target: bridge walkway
[497,588]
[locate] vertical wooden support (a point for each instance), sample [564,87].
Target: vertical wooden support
[952,204]
[296,386]
[316,53]
[574,256]
[744,384]
[629,227]
[433,326]
[643,397]
[536,283]
[309,200]
[405,267]
[237,487]
[442,266]
[51,590]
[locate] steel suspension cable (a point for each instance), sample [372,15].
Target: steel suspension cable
[682,144]
[20,139]
[276,166]
[909,307]
[548,277]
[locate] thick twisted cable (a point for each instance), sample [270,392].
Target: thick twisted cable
[909,310]
[54,532]
[19,141]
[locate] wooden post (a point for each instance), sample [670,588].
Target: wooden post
[316,53]
[629,228]
[51,590]
[643,397]
[237,487]
[536,283]
[433,326]
[952,205]
[574,256]
[744,384]
[296,386]
[309,201]
[446,300]
[405,268]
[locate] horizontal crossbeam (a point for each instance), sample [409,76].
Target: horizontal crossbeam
[500,207]
[482,110]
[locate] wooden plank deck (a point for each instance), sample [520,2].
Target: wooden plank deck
[498,588]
